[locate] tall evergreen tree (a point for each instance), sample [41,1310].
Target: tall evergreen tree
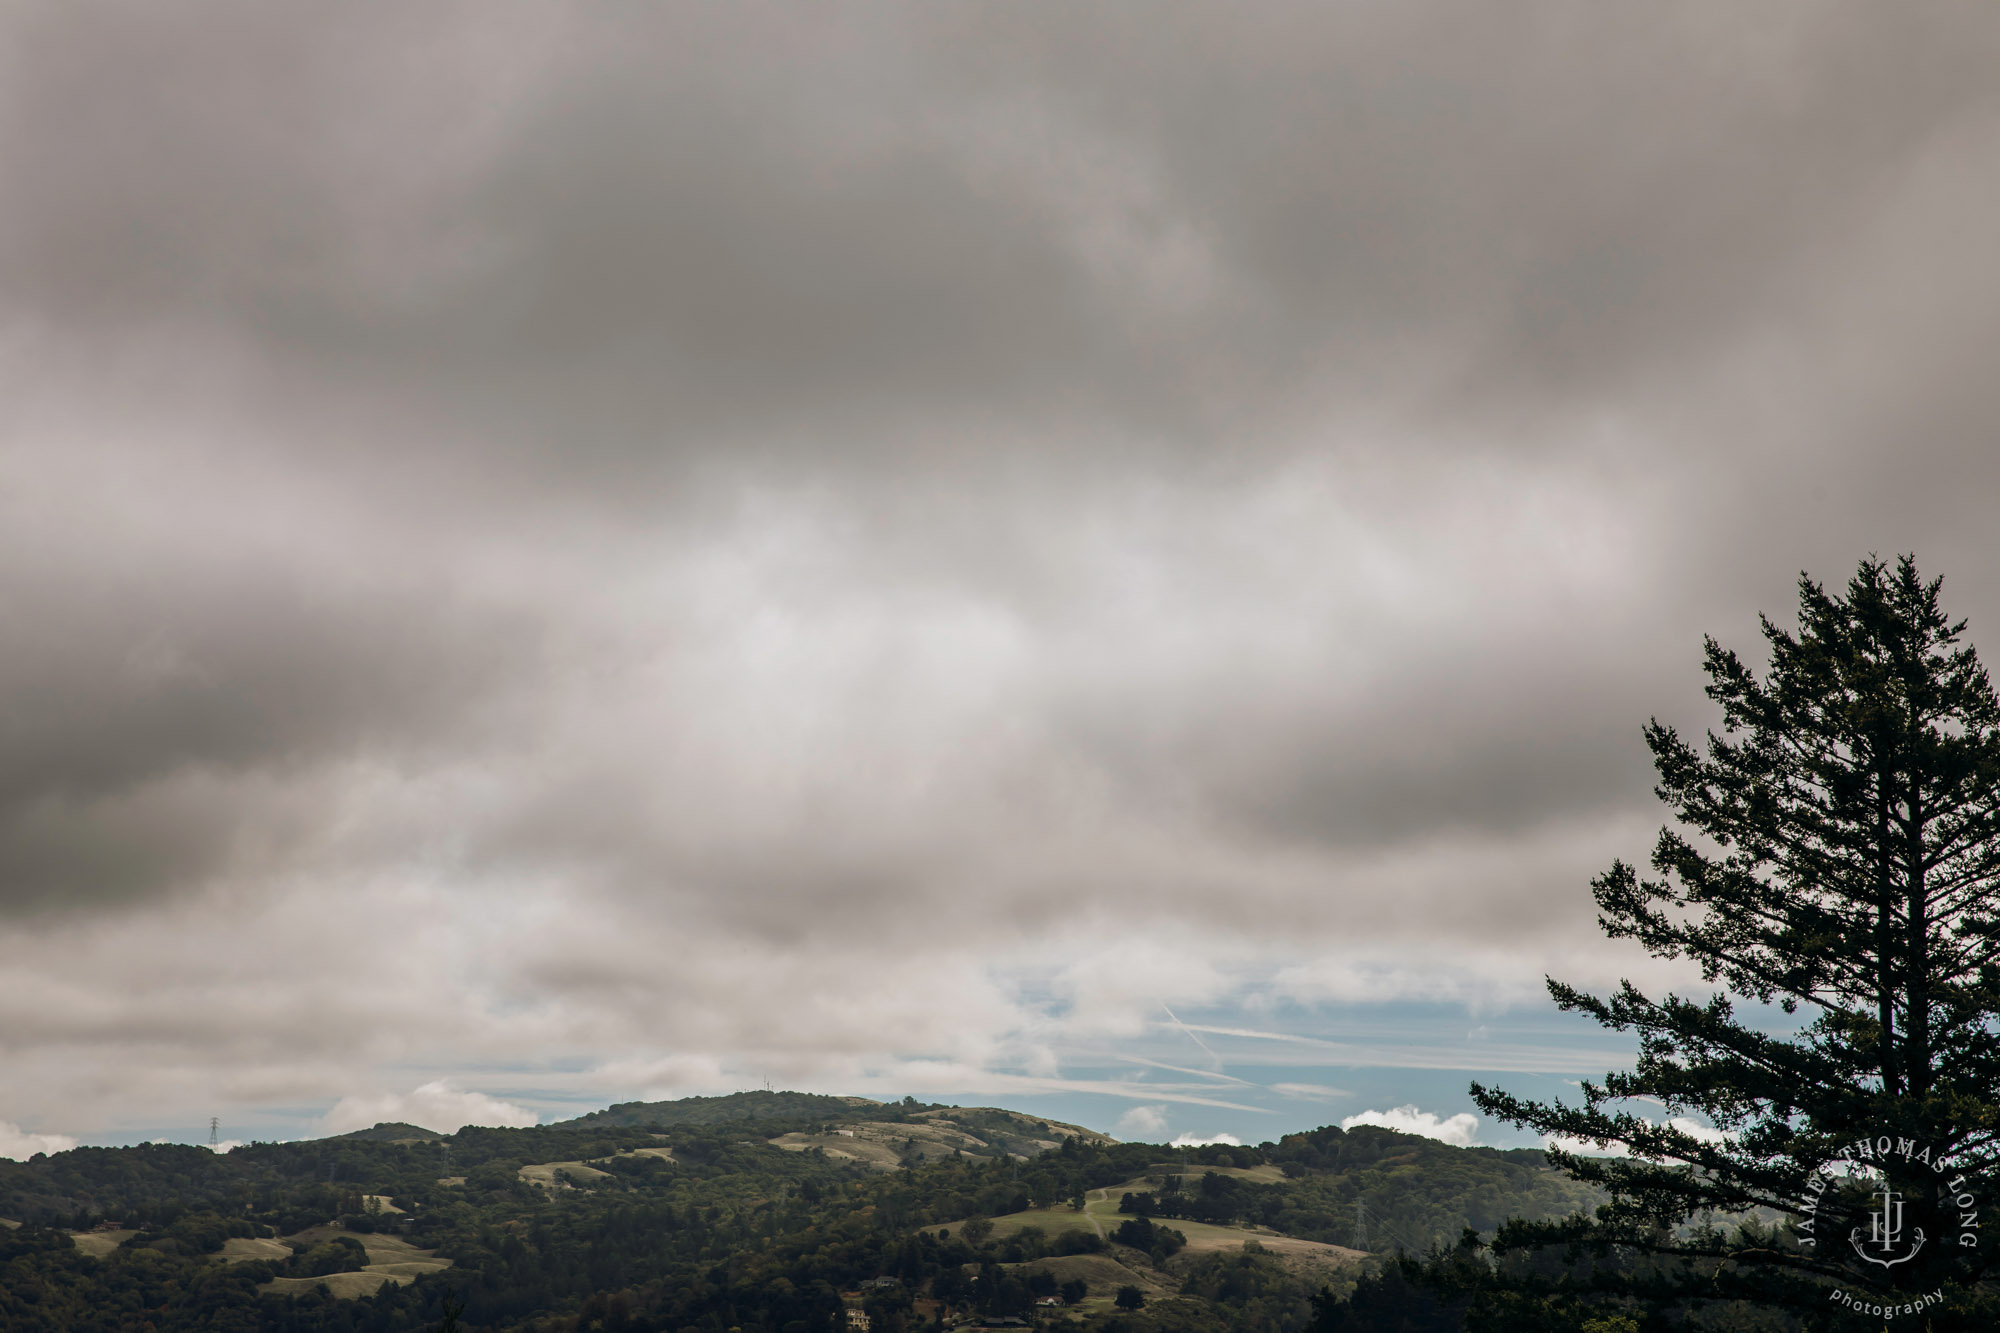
[1833,870]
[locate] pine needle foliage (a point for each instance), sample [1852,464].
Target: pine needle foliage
[1833,870]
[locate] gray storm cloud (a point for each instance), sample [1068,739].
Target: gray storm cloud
[492,501]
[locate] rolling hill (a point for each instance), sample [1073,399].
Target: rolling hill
[394,1131]
[728,1109]
[737,1213]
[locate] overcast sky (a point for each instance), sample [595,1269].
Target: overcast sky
[555,554]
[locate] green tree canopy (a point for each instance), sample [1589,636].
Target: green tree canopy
[1831,871]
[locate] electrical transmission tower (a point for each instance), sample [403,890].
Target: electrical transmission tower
[1360,1225]
[214,1133]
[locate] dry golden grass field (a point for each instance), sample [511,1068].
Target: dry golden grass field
[390,1259]
[552,1175]
[97,1244]
[1100,1215]
[239,1248]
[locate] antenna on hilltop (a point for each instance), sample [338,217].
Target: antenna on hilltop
[214,1133]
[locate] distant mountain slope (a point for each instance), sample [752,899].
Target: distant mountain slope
[929,1134]
[735,1106]
[897,1209]
[393,1131]
[883,1135]
[1016,1133]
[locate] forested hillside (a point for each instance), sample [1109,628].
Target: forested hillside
[730,1225]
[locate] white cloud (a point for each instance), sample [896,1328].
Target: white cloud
[227,1145]
[1695,1129]
[1198,1141]
[20,1145]
[368,743]
[1309,1092]
[670,1076]
[1145,1123]
[436,1105]
[1457,1130]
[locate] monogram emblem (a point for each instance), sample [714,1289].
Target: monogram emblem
[1884,1245]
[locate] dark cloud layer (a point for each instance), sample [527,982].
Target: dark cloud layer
[589,483]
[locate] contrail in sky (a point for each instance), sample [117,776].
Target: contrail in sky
[1190,1034]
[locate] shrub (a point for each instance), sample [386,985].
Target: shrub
[1076,1240]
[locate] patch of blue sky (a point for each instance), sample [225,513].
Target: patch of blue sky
[1248,1068]
[1261,1072]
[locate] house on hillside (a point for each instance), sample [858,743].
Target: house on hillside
[857,1319]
